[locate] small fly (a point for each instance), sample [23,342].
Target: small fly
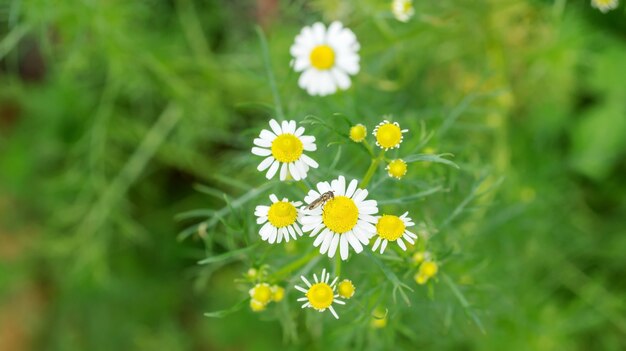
[321,200]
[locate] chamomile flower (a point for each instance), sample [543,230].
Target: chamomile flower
[347,219]
[427,270]
[388,135]
[283,147]
[605,5]
[326,57]
[281,220]
[402,10]
[346,289]
[396,169]
[321,295]
[261,293]
[358,133]
[393,228]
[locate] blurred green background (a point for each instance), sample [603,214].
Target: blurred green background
[111,111]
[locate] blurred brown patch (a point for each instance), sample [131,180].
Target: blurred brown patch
[266,11]
[22,302]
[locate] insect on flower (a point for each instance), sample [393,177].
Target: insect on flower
[321,200]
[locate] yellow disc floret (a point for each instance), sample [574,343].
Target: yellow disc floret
[320,296]
[396,168]
[388,135]
[322,57]
[420,278]
[390,227]
[287,148]
[429,269]
[340,214]
[282,214]
[358,133]
[261,293]
[278,293]
[346,289]
[256,306]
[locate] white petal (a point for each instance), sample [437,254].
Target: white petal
[383,246]
[293,171]
[326,243]
[275,127]
[376,243]
[341,78]
[261,152]
[267,135]
[265,163]
[401,244]
[323,187]
[351,188]
[273,198]
[284,125]
[272,170]
[292,127]
[332,310]
[320,238]
[283,172]
[309,161]
[262,142]
[333,245]
[359,195]
[344,247]
[408,238]
[299,131]
[354,242]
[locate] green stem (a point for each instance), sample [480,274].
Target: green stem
[370,171]
[337,266]
[270,74]
[279,275]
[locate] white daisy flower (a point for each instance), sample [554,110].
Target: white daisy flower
[281,220]
[285,145]
[388,135]
[402,10]
[345,220]
[605,5]
[393,228]
[321,295]
[325,57]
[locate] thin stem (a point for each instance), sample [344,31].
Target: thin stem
[295,265]
[337,266]
[372,169]
[270,74]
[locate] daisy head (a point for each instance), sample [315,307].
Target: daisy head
[326,57]
[320,295]
[358,133]
[261,293]
[427,270]
[396,169]
[393,228]
[346,289]
[281,220]
[402,10]
[343,220]
[388,135]
[605,5]
[283,147]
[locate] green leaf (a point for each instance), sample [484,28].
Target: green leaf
[431,158]
[226,312]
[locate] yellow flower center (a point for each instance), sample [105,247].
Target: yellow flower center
[429,269]
[262,293]
[320,296]
[357,133]
[390,227]
[256,306]
[420,278]
[322,57]
[282,214]
[397,168]
[389,135]
[287,148]
[408,6]
[278,293]
[340,214]
[345,289]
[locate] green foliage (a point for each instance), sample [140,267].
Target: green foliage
[123,123]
